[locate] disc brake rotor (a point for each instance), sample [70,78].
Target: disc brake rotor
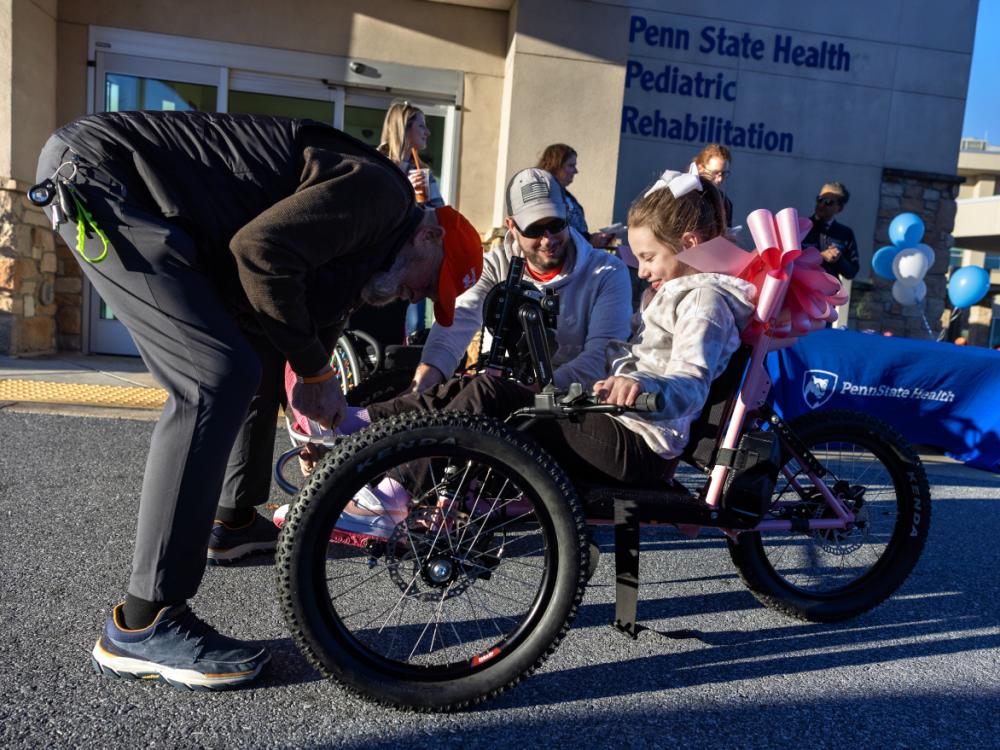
[431,558]
[843,542]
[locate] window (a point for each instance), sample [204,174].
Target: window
[124,93]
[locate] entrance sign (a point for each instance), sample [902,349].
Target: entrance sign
[799,97]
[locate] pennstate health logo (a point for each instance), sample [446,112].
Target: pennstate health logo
[818,386]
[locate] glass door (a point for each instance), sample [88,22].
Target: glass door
[261,94]
[363,117]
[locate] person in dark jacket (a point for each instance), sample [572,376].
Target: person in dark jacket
[559,160]
[834,241]
[227,245]
[713,163]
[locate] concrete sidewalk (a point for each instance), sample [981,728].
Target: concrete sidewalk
[77,384]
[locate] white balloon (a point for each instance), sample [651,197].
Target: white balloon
[910,263]
[909,294]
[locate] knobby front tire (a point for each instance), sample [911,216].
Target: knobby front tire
[473,582]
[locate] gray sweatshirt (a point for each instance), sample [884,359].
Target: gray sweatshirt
[683,340]
[595,305]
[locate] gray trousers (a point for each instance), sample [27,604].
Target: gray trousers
[214,442]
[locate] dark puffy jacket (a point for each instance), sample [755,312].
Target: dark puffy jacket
[291,217]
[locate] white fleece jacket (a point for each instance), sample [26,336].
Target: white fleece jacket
[595,307]
[684,338]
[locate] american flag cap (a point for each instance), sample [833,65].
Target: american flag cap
[534,194]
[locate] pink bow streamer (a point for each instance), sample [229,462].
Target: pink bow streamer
[784,311]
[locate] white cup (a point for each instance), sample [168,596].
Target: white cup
[422,195]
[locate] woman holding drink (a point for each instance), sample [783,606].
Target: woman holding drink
[404,135]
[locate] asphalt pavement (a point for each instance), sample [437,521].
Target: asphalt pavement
[920,671]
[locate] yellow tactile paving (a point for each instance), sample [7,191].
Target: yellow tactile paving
[40,391]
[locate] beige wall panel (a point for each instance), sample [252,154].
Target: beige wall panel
[409,32]
[71,80]
[575,29]
[569,101]
[977,218]
[504,135]
[33,94]
[479,148]
[978,162]
[6,74]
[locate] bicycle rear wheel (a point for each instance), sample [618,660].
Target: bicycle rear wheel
[466,581]
[831,575]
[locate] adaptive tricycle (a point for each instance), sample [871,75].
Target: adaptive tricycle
[486,553]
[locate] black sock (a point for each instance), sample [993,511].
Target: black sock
[139,613]
[235,517]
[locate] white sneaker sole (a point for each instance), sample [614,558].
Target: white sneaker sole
[237,553]
[190,679]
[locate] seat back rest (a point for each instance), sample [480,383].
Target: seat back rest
[708,429]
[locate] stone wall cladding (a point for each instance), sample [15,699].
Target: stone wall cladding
[40,283]
[932,198]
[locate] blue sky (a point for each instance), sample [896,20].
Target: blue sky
[982,109]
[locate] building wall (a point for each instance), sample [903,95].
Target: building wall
[546,71]
[931,197]
[6,83]
[564,84]
[407,32]
[28,262]
[896,101]
[981,170]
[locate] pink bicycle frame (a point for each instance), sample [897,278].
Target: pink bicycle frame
[752,394]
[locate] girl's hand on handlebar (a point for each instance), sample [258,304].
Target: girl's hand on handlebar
[618,390]
[322,402]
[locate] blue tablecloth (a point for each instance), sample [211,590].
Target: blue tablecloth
[936,394]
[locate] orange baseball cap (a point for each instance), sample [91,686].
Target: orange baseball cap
[462,265]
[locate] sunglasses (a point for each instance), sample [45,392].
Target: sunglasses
[536,230]
[827,201]
[714,174]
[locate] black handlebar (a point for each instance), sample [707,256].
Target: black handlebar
[575,402]
[648,402]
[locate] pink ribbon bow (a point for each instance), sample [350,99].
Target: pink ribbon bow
[795,296]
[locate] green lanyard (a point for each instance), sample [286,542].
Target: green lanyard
[85,220]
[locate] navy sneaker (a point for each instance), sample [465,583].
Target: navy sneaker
[228,543]
[179,649]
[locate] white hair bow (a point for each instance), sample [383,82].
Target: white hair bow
[680,183]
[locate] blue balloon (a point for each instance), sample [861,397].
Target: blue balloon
[882,261]
[968,285]
[906,230]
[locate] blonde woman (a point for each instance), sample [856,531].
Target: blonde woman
[405,128]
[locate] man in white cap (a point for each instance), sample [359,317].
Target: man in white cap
[593,287]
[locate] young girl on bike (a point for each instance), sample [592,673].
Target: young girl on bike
[688,327]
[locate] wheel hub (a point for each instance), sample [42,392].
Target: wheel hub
[439,571]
